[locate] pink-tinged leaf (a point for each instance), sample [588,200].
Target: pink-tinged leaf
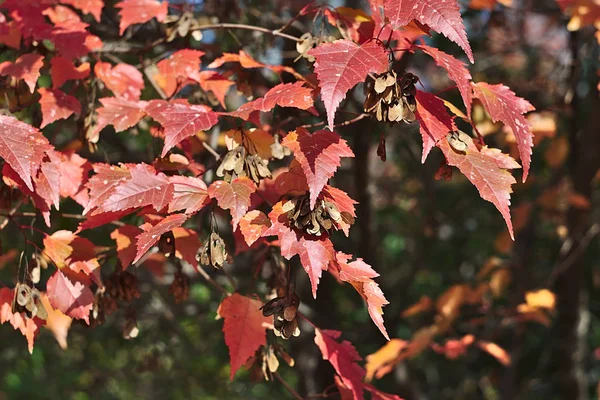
[360,275]
[443,16]
[234,196]
[245,60]
[457,71]
[292,180]
[29,327]
[22,146]
[316,253]
[57,322]
[343,202]
[343,357]
[145,187]
[253,225]
[93,7]
[503,105]
[125,236]
[151,235]
[244,328]
[63,15]
[180,120]
[63,70]
[140,11]
[12,179]
[282,95]
[434,121]
[71,297]
[56,105]
[483,171]
[47,181]
[189,194]
[27,67]
[187,244]
[101,219]
[120,113]
[319,155]
[73,176]
[11,37]
[341,65]
[211,81]
[123,80]
[103,184]
[179,68]
[71,252]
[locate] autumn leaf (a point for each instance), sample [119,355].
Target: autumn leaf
[189,194]
[151,235]
[482,170]
[343,202]
[120,113]
[123,80]
[212,81]
[57,322]
[63,70]
[177,69]
[187,244]
[140,11]
[495,351]
[283,95]
[69,296]
[256,139]
[125,236]
[245,60]
[67,250]
[57,105]
[234,196]
[22,146]
[382,361]
[180,120]
[102,185]
[341,65]
[457,71]
[47,181]
[27,67]
[434,121]
[244,328]
[503,105]
[343,357]
[145,187]
[319,155]
[360,275]
[93,7]
[441,15]
[12,179]
[253,225]
[29,327]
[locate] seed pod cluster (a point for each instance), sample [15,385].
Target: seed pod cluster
[308,42]
[265,361]
[239,162]
[284,311]
[322,218]
[180,288]
[391,99]
[213,252]
[122,286]
[27,300]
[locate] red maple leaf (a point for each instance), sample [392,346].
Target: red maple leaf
[292,180]
[211,81]
[63,70]
[22,146]
[120,113]
[316,253]
[47,181]
[151,234]
[11,178]
[319,155]
[70,296]
[29,327]
[343,202]
[140,11]
[187,244]
[180,120]
[179,68]
[434,120]
[189,194]
[61,14]
[343,357]
[341,65]
[441,15]
[73,176]
[145,187]
[244,328]
[503,105]
[125,236]
[102,185]
[482,169]
[282,95]
[245,60]
[11,35]
[123,80]
[253,225]
[71,252]
[234,196]
[457,71]
[56,105]
[93,7]
[360,275]
[27,67]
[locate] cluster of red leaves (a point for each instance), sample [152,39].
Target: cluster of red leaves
[46,175]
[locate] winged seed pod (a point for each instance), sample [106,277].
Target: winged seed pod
[213,252]
[323,218]
[391,99]
[238,162]
[27,300]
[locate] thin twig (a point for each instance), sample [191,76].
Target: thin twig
[211,150]
[345,123]
[246,27]
[212,281]
[287,386]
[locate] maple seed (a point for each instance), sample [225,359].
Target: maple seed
[459,141]
[213,252]
[180,288]
[323,218]
[284,311]
[27,300]
[240,162]
[391,99]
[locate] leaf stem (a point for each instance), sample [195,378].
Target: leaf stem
[247,27]
[287,386]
